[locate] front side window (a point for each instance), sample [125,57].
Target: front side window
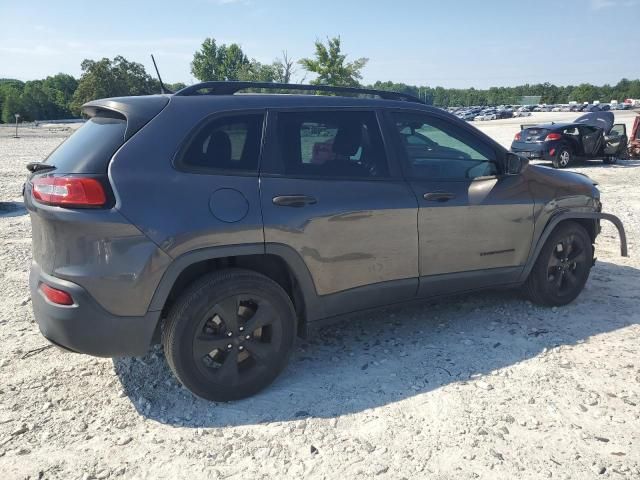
[618,129]
[437,149]
[331,144]
[225,144]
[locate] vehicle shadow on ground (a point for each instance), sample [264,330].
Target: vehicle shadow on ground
[12,209]
[396,353]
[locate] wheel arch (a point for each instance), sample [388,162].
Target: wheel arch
[278,262]
[587,220]
[573,145]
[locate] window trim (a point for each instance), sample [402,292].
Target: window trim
[273,167]
[177,158]
[403,159]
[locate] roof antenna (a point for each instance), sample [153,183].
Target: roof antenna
[162,87]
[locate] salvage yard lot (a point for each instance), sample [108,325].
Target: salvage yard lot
[480,386]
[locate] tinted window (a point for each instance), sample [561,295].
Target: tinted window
[229,143]
[588,130]
[437,149]
[331,144]
[91,147]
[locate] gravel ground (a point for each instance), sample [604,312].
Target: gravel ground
[481,386]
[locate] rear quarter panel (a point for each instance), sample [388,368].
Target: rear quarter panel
[100,251]
[173,207]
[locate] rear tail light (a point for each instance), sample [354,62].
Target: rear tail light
[56,296]
[69,191]
[517,137]
[553,136]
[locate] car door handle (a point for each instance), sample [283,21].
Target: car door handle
[294,200]
[439,196]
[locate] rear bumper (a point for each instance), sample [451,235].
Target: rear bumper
[86,327]
[533,153]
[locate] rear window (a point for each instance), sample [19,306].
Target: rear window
[534,134]
[90,148]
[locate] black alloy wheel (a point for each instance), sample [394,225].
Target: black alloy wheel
[229,334]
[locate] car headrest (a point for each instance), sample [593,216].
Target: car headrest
[219,149]
[348,139]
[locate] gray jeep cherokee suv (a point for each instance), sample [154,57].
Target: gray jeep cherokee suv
[224,224]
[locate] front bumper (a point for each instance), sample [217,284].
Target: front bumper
[85,327]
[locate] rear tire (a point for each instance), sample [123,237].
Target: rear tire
[230,334]
[562,267]
[563,158]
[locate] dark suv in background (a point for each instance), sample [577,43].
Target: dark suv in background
[224,224]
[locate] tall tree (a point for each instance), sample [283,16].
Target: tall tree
[284,68]
[255,71]
[331,67]
[11,104]
[112,78]
[218,62]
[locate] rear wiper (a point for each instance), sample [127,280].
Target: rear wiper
[34,167]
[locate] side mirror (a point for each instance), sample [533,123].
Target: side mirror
[515,164]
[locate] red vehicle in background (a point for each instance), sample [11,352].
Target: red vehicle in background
[634,139]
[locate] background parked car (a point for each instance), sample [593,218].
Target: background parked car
[591,135]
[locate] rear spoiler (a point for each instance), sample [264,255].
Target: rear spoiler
[137,110]
[527,125]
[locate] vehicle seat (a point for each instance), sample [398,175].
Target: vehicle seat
[218,154]
[346,143]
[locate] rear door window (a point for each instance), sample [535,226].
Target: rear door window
[228,144]
[331,144]
[91,147]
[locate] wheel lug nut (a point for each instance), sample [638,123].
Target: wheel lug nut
[248,337]
[240,348]
[230,346]
[229,334]
[242,329]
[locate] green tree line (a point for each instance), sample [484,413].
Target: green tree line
[61,96]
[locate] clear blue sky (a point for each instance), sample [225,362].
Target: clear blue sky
[452,43]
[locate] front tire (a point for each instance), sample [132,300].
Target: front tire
[229,335]
[562,267]
[563,158]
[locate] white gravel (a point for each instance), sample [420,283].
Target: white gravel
[481,386]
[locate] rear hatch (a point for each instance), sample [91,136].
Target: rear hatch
[69,196]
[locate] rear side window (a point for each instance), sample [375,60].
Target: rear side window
[91,147]
[331,144]
[225,144]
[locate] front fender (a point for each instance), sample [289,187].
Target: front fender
[574,216]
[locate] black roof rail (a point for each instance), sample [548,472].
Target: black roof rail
[229,88]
